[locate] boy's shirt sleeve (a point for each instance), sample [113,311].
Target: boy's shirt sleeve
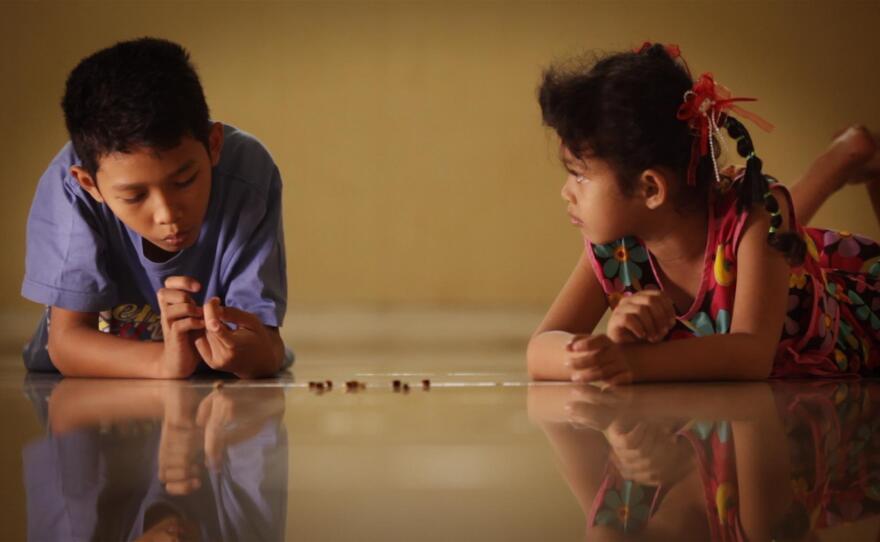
[65,262]
[254,274]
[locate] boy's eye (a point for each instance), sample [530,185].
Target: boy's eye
[580,179]
[134,199]
[188,181]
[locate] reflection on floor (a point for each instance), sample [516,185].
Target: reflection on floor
[479,455]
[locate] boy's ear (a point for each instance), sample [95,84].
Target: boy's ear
[87,182]
[654,188]
[215,142]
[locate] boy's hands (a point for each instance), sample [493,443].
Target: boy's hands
[647,315]
[597,358]
[223,348]
[180,315]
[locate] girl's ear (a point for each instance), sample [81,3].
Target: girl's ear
[653,187]
[87,182]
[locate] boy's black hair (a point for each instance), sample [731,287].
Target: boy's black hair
[623,108]
[138,93]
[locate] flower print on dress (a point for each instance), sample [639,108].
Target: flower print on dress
[705,429]
[825,322]
[791,325]
[848,244]
[863,311]
[797,280]
[872,267]
[702,324]
[725,271]
[843,249]
[622,259]
[811,247]
[627,509]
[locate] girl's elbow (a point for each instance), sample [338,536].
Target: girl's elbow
[763,365]
[533,356]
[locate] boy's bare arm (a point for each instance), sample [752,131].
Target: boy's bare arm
[77,348]
[81,402]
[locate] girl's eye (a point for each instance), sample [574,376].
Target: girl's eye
[580,179]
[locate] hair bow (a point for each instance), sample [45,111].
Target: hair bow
[671,49]
[704,109]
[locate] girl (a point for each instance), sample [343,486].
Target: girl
[671,241]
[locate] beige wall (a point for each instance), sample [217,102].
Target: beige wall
[408,135]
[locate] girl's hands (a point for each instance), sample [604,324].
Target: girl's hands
[647,315]
[595,358]
[649,452]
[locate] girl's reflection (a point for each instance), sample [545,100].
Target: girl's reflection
[756,461]
[157,461]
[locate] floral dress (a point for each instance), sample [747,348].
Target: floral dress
[627,506]
[832,326]
[832,431]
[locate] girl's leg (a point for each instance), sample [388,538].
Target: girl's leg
[853,156]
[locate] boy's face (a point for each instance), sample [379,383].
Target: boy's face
[162,195]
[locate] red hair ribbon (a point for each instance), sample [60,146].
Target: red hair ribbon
[671,49]
[704,108]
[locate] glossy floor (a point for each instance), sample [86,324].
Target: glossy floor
[481,455]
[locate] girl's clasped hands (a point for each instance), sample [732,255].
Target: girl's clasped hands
[646,316]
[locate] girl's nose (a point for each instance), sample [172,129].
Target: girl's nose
[567,193]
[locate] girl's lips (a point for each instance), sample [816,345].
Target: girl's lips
[575,220]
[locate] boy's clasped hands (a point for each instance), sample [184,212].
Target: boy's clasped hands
[645,316]
[211,340]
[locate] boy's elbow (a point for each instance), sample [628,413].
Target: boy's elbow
[58,353]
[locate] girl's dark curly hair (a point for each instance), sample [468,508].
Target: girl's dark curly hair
[623,108]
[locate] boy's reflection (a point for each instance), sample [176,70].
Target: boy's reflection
[158,461]
[755,461]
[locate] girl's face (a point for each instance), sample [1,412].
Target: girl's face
[595,203]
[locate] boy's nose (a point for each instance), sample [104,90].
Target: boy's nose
[166,211]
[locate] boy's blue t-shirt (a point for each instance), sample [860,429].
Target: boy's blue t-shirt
[81,257]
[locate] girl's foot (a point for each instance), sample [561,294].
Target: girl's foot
[855,154]
[845,160]
[869,172]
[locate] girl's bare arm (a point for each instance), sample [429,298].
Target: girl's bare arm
[747,352]
[577,309]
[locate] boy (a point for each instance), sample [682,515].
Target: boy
[154,224]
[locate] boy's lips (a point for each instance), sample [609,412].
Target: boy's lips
[178,239]
[575,220]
